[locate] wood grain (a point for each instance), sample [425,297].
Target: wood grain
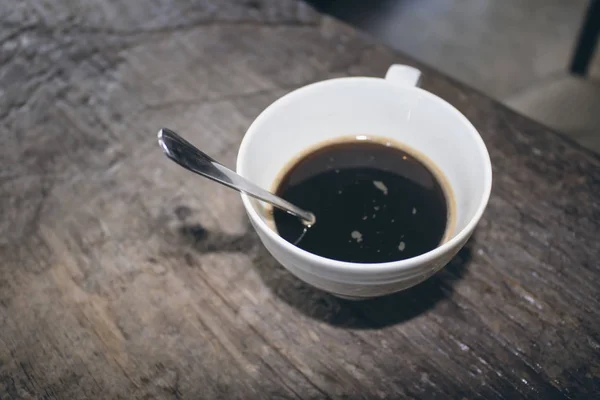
[123,276]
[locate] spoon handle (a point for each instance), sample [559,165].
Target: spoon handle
[191,158]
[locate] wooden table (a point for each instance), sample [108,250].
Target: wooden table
[124,276]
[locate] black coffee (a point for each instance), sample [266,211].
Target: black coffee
[373,203]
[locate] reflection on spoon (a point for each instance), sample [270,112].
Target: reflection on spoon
[192,159]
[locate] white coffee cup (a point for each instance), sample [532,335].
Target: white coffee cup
[393,108]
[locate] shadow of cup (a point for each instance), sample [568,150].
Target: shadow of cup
[366,314]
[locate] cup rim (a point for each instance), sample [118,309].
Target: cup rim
[346,266]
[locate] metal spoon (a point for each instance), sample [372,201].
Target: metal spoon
[189,157]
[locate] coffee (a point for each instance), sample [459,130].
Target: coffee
[374,202]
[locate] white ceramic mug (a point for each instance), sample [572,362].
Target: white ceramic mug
[393,108]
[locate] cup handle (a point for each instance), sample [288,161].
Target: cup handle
[403,75]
